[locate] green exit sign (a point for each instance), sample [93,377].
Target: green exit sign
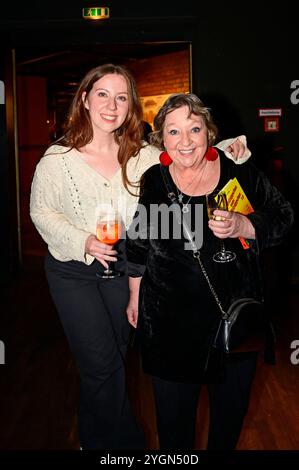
[95,13]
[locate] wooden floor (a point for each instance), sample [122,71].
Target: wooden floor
[39,381]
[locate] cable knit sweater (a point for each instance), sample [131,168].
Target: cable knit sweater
[67,193]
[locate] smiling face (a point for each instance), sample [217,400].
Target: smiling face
[185,137]
[107,102]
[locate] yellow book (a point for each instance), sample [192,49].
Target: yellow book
[237,202]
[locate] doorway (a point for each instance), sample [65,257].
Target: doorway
[46,80]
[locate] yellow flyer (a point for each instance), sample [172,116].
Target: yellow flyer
[237,201]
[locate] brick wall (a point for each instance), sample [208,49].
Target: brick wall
[159,76]
[162,74]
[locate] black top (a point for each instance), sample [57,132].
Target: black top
[177,312]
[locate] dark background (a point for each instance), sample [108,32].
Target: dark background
[243,59]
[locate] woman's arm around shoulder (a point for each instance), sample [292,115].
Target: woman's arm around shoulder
[235,149]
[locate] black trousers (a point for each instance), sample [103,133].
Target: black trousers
[176,405]
[92,312]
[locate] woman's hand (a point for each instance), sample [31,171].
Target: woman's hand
[132,308]
[233,225]
[99,250]
[237,149]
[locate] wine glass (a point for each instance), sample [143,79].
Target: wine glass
[217,200]
[109,230]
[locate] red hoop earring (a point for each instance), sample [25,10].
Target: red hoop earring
[211,154]
[165,159]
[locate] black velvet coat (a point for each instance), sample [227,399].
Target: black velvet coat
[177,312]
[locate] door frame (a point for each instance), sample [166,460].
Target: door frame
[71,34]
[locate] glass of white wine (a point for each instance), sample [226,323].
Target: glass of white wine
[217,200]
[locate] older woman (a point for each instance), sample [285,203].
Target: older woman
[177,311]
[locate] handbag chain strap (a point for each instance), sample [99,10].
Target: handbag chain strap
[196,252]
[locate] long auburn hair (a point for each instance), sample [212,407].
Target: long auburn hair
[175,101]
[78,127]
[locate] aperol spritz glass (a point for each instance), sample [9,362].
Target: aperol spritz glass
[109,231]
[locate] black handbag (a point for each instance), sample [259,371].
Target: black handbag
[243,326]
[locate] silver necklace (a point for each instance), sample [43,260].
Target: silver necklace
[185,207]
